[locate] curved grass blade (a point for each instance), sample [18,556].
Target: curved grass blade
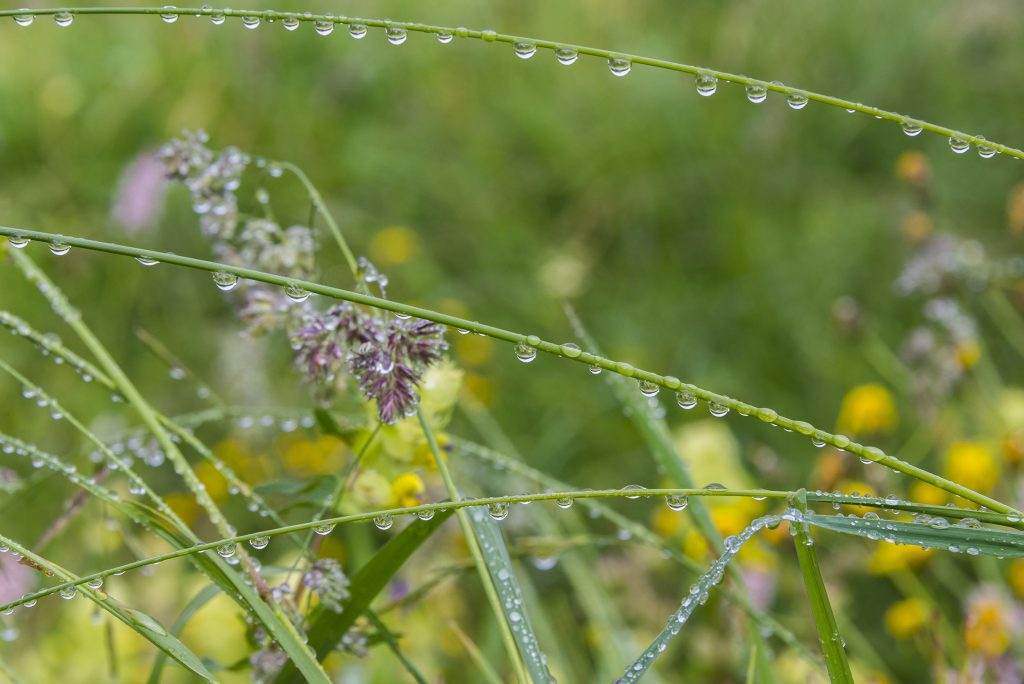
[938,534]
[193,607]
[832,645]
[329,627]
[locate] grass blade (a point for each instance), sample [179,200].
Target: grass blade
[329,627]
[938,534]
[193,607]
[832,644]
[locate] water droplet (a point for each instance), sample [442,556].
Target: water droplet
[911,127]
[756,93]
[676,502]
[985,151]
[686,399]
[571,350]
[169,17]
[250,22]
[217,19]
[633,488]
[619,66]
[525,352]
[259,543]
[146,260]
[817,442]
[323,27]
[939,523]
[796,100]
[29,604]
[383,522]
[68,593]
[95,583]
[767,415]
[396,34]
[324,529]
[564,502]
[648,388]
[63,19]
[498,510]
[290,23]
[892,500]
[706,84]
[18,241]
[566,56]
[958,144]
[595,369]
[717,409]
[226,551]
[489,35]
[24,19]
[524,50]
[357,31]
[296,293]
[714,486]
[444,37]
[225,281]
[972,551]
[59,248]
[425,514]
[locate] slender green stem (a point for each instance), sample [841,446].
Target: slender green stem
[949,512]
[1006,318]
[318,202]
[671,383]
[490,36]
[828,631]
[478,558]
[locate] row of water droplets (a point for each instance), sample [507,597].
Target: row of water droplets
[705,82]
[699,592]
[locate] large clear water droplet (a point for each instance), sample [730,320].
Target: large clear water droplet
[396,34]
[18,241]
[566,56]
[425,514]
[498,510]
[357,31]
[525,352]
[985,151]
[146,260]
[324,529]
[706,84]
[796,100]
[250,22]
[648,388]
[226,550]
[95,583]
[63,18]
[444,37]
[911,127]
[217,18]
[524,50]
[676,502]
[383,522]
[225,281]
[24,19]
[958,144]
[718,409]
[59,248]
[634,488]
[68,593]
[323,27]
[564,502]
[756,93]
[686,399]
[619,66]
[259,543]
[169,17]
[296,293]
[290,23]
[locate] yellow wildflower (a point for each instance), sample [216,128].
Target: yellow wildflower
[912,167]
[867,409]
[215,484]
[474,350]
[310,458]
[665,521]
[972,465]
[892,558]
[394,245]
[1016,576]
[905,618]
[407,490]
[371,489]
[480,387]
[987,626]
[967,354]
[917,227]
[922,492]
[694,545]
[184,506]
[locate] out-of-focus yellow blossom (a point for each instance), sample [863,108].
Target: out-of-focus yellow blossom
[1016,576]
[248,466]
[923,492]
[407,490]
[371,489]
[423,456]
[905,618]
[1010,409]
[829,469]
[184,506]
[791,667]
[215,484]
[694,545]
[917,226]
[480,387]
[967,354]
[394,245]
[890,558]
[331,547]
[474,350]
[988,624]
[404,442]
[323,456]
[564,275]
[866,410]
[666,522]
[912,167]
[1013,447]
[859,488]
[713,455]
[972,465]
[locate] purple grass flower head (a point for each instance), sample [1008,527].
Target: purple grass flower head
[327,580]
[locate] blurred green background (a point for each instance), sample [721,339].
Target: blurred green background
[707,238]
